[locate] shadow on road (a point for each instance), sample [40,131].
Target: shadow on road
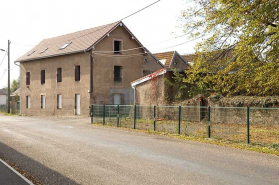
[40,172]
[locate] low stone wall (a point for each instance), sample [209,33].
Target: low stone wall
[263,110]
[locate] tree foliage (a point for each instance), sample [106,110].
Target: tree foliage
[240,54]
[14,86]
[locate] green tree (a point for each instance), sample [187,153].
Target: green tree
[247,33]
[15,85]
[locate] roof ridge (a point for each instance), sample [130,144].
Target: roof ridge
[80,31]
[164,52]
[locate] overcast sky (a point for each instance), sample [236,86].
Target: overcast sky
[27,22]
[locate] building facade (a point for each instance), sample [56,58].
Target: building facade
[64,75]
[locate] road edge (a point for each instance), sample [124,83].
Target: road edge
[16,172]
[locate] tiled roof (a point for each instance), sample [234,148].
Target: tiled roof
[3,92]
[147,77]
[80,41]
[189,57]
[165,57]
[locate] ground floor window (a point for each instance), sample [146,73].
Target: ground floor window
[43,101]
[77,104]
[28,102]
[59,101]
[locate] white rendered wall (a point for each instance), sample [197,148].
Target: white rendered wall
[2,99]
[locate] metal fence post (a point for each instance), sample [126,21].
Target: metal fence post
[117,115]
[179,118]
[209,131]
[135,116]
[248,125]
[91,114]
[104,114]
[154,118]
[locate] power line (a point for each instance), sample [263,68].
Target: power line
[139,10]
[3,74]
[124,56]
[102,27]
[137,54]
[143,46]
[3,58]
[183,42]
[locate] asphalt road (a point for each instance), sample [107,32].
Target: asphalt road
[8,177]
[71,151]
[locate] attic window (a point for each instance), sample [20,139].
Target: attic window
[43,50]
[65,45]
[163,61]
[31,53]
[117,47]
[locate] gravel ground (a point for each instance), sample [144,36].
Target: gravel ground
[71,151]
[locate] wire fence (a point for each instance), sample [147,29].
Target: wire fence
[14,109]
[257,126]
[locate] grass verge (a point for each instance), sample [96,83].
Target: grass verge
[215,141]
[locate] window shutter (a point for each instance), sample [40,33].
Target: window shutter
[43,101]
[60,101]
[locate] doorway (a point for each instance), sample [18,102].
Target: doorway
[116,99]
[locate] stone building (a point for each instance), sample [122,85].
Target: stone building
[65,74]
[153,89]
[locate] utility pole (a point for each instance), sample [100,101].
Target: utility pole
[9,89]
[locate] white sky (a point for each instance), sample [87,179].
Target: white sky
[27,22]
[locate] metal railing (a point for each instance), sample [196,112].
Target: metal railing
[257,126]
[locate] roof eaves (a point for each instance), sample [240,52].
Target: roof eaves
[49,56]
[92,46]
[124,26]
[148,77]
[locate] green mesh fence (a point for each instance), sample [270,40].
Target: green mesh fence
[126,116]
[167,119]
[229,123]
[145,117]
[226,123]
[3,109]
[111,115]
[98,114]
[264,127]
[194,121]
[14,109]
